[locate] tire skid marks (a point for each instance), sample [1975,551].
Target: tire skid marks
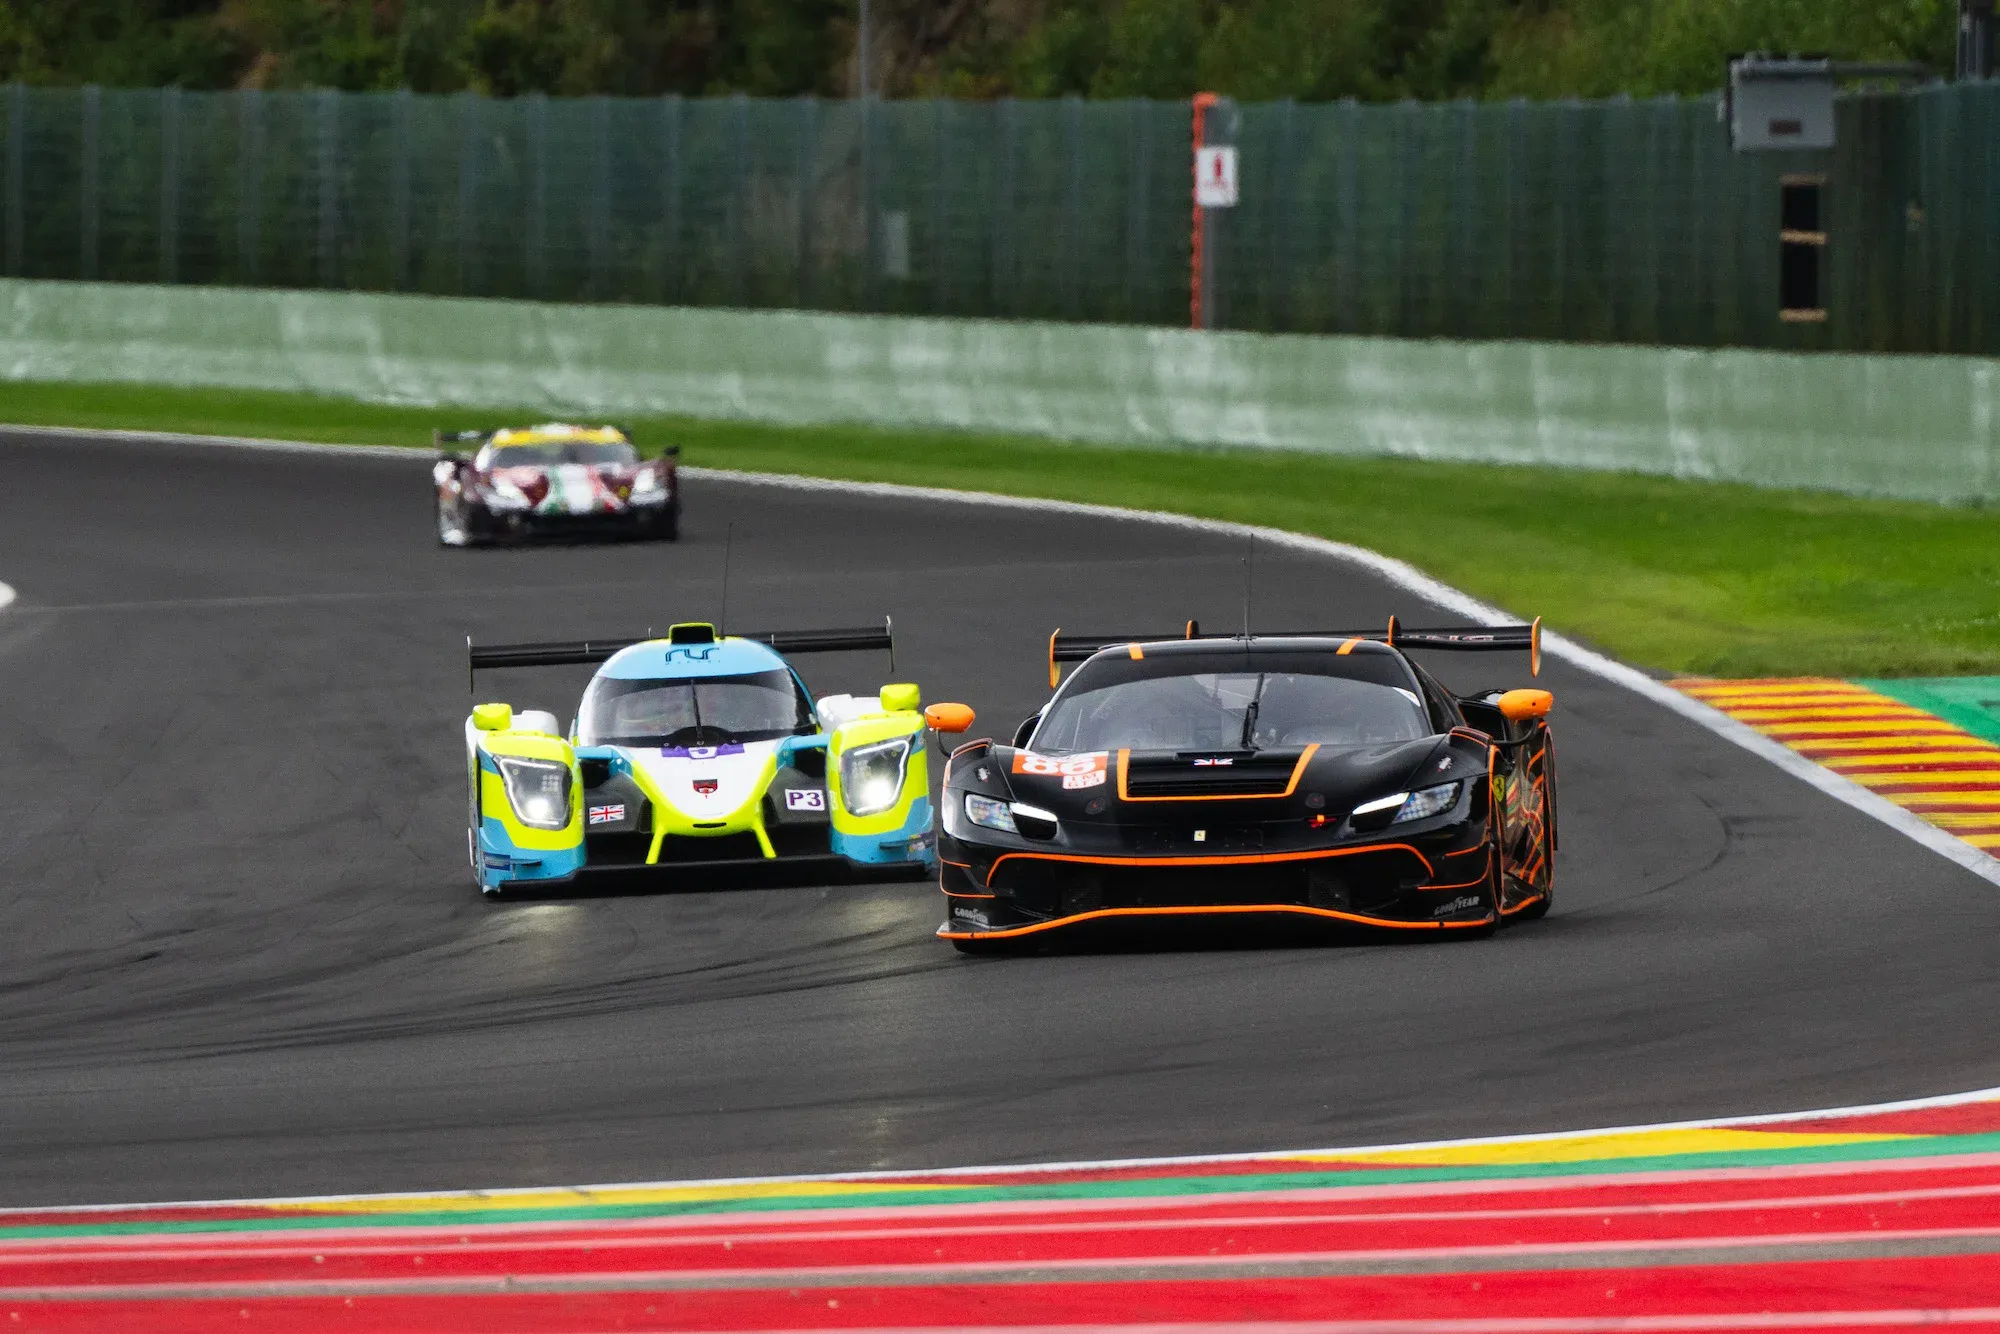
[1931,768]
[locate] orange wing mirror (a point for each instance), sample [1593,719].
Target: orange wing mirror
[949,717]
[1522,705]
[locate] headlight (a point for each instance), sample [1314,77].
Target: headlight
[1431,801]
[871,777]
[538,790]
[646,483]
[990,813]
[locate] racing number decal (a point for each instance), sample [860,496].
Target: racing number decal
[1076,771]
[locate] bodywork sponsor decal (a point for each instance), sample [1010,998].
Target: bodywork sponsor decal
[707,786]
[1463,901]
[606,814]
[701,752]
[805,799]
[1064,766]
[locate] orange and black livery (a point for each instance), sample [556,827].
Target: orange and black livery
[1322,774]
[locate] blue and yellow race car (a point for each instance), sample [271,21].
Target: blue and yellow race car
[694,750]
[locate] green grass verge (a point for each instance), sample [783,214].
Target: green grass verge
[1679,576]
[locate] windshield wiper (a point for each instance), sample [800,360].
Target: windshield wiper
[1249,740]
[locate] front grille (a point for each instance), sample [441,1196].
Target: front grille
[1258,775]
[717,848]
[1198,886]
[808,840]
[1370,882]
[616,849]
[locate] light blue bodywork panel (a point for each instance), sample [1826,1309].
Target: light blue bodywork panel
[501,863]
[913,843]
[656,659]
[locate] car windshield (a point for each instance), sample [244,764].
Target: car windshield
[693,711]
[1280,701]
[553,452]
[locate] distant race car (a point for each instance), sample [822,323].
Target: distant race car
[552,480]
[1324,775]
[695,749]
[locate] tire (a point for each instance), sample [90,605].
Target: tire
[1540,907]
[667,528]
[454,530]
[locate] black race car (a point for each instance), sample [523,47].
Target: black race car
[1325,775]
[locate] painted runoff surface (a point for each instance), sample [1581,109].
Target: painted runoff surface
[1930,746]
[1856,1219]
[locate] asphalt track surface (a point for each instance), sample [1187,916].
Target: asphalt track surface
[240,953]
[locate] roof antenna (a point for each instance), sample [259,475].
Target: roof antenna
[1249,573]
[728,541]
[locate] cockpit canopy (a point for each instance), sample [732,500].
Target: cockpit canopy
[1235,696]
[694,710]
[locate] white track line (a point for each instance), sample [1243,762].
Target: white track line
[1396,572]
[1086,1165]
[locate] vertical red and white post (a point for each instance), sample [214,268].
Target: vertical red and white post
[1214,189]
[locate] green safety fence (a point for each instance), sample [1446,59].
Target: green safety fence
[1916,427]
[1596,221]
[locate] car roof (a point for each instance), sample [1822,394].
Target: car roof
[655,659]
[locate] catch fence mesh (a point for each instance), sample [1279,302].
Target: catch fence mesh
[1627,221]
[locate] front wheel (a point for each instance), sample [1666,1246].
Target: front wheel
[1540,907]
[454,528]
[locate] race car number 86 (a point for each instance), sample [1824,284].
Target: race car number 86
[1065,766]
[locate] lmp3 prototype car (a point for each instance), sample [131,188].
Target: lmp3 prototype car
[695,749]
[1325,775]
[549,481]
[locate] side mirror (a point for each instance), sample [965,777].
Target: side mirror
[949,717]
[1521,706]
[901,699]
[492,717]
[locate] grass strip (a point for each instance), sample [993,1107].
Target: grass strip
[1677,576]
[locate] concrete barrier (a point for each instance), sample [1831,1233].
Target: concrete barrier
[1915,427]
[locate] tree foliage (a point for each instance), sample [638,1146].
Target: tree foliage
[1253,49]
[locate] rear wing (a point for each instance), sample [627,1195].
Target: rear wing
[562,653]
[1468,639]
[443,440]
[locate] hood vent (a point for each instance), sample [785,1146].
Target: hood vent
[1262,773]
